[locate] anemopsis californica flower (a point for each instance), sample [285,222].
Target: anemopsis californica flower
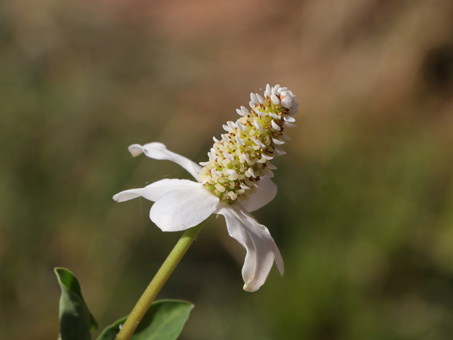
[234,182]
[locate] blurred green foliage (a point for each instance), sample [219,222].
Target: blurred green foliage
[364,214]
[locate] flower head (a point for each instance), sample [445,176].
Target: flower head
[242,157]
[233,182]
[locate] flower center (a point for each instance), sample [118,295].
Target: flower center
[242,157]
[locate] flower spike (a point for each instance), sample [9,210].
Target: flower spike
[249,145]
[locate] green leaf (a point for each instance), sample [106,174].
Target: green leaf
[76,320]
[164,320]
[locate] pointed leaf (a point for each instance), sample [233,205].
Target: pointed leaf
[76,320]
[164,320]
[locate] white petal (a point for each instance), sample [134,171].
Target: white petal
[240,112]
[259,244]
[254,98]
[245,111]
[258,142]
[289,119]
[275,126]
[183,208]
[268,92]
[288,125]
[160,151]
[286,137]
[240,126]
[275,99]
[260,99]
[279,152]
[257,125]
[286,99]
[130,194]
[278,141]
[265,192]
[156,190]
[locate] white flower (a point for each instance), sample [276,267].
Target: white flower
[181,204]
[234,182]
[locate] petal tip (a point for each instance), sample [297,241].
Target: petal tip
[127,195]
[135,150]
[250,289]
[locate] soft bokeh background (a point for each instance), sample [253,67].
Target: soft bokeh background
[364,214]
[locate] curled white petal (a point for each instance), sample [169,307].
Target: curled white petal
[289,119]
[268,91]
[261,250]
[156,190]
[259,112]
[245,187]
[240,112]
[265,192]
[286,124]
[275,99]
[258,142]
[279,152]
[260,99]
[160,151]
[254,98]
[183,208]
[247,158]
[286,99]
[240,126]
[233,174]
[130,194]
[267,157]
[294,108]
[228,156]
[257,125]
[275,126]
[286,137]
[278,141]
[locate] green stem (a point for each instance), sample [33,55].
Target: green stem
[157,283]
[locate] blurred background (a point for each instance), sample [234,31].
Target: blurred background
[364,213]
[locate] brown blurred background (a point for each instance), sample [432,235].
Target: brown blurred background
[364,214]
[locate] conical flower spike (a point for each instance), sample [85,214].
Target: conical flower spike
[242,156]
